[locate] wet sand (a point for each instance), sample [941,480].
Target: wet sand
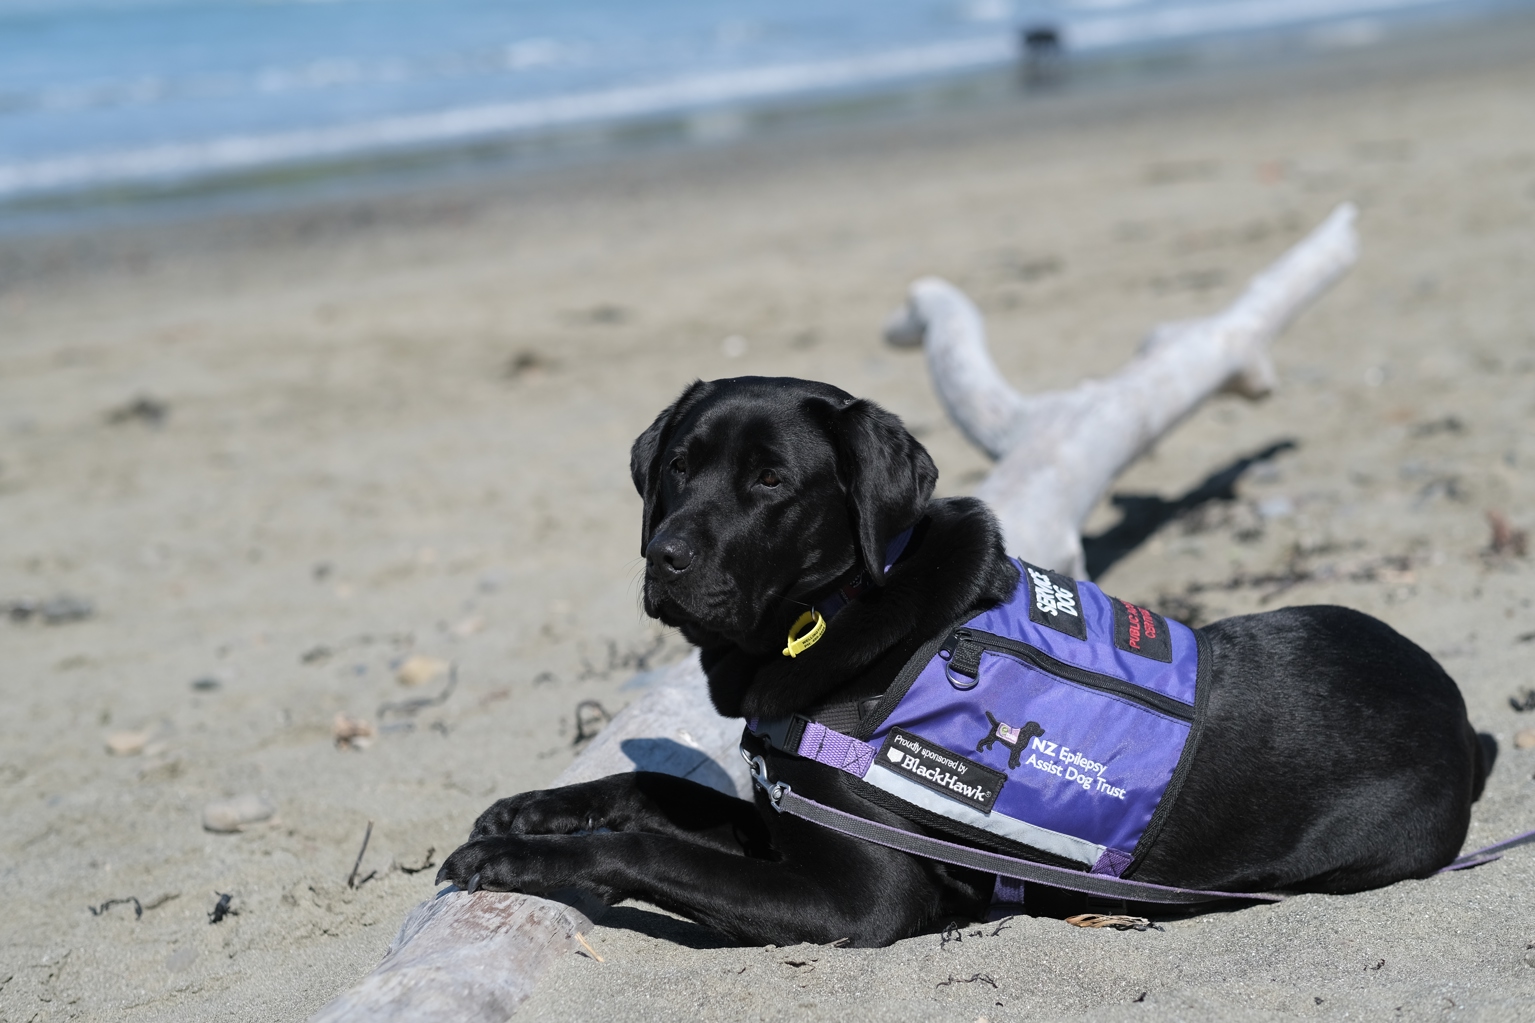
[400,427]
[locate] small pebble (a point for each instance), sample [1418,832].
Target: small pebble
[226,815]
[144,409]
[418,670]
[352,733]
[207,685]
[469,626]
[127,744]
[1278,507]
[1525,739]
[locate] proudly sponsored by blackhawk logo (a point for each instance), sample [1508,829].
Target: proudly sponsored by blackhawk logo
[1055,602]
[941,770]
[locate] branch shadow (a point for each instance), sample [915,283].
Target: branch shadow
[1144,514]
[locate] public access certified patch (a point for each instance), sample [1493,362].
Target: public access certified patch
[1053,601]
[1139,631]
[941,770]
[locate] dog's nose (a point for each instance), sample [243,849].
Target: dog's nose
[670,553]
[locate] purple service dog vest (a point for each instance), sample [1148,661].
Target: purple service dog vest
[1057,722]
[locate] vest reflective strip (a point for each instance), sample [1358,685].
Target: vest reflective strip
[1068,846]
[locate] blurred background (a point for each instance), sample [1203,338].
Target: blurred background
[113,97]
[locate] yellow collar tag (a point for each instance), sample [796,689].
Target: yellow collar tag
[798,645]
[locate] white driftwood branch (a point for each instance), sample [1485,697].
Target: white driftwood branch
[672,729]
[470,958]
[475,958]
[1060,450]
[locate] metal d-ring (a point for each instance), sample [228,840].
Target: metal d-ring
[958,681]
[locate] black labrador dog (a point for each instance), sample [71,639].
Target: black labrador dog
[1336,754]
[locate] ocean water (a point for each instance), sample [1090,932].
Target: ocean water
[99,94]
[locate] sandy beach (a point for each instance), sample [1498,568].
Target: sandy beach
[274,459]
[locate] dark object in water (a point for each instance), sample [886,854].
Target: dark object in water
[1044,56]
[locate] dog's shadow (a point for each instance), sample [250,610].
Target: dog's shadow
[654,923]
[668,756]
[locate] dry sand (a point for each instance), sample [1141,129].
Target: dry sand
[401,427]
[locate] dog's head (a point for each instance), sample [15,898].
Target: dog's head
[763,494]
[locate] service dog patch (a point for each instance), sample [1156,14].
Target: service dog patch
[1053,601]
[942,770]
[1139,631]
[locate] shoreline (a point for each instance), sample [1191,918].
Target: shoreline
[396,169]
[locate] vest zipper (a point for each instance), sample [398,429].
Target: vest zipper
[964,647]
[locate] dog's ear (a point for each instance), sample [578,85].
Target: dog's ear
[888,474]
[645,458]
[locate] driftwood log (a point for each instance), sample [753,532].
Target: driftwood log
[672,729]
[474,957]
[465,957]
[1058,452]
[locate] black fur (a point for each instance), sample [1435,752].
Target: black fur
[1336,754]
[1336,757]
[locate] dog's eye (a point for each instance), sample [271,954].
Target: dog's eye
[680,466]
[769,478]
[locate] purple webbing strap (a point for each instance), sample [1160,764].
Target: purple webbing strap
[896,547]
[866,830]
[1012,869]
[834,749]
[1487,854]
[860,585]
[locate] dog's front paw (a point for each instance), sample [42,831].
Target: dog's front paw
[534,865]
[548,812]
[489,863]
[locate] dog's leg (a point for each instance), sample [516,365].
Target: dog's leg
[637,801]
[1059,451]
[837,888]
